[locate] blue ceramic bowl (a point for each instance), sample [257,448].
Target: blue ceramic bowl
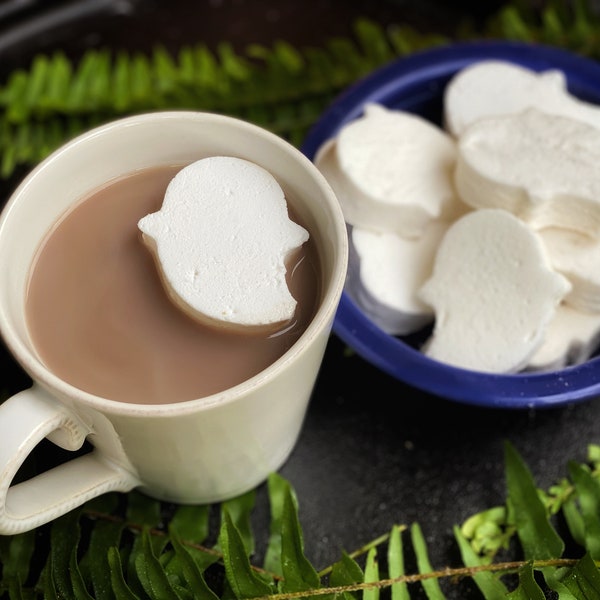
[416,84]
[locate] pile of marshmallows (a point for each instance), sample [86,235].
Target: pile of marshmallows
[490,227]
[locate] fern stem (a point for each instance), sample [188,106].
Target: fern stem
[448,572]
[382,539]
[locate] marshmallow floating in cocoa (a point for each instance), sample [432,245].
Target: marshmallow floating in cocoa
[221,239]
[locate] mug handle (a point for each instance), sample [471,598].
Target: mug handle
[26,419]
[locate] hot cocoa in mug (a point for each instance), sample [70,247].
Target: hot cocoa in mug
[101,319]
[181,411]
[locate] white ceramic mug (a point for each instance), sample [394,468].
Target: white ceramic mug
[199,451]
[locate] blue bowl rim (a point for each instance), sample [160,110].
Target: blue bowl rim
[525,390]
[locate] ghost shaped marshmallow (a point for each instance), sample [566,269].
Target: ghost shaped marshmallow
[495,87]
[221,240]
[493,292]
[392,171]
[542,168]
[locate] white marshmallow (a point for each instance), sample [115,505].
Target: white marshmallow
[221,240]
[391,171]
[542,168]
[524,145]
[493,293]
[577,257]
[387,272]
[571,338]
[495,87]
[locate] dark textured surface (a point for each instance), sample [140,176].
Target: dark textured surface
[373,452]
[369,458]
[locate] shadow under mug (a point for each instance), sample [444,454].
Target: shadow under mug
[199,451]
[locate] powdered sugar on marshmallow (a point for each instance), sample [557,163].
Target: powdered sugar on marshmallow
[577,257]
[221,240]
[391,171]
[542,168]
[570,339]
[493,292]
[390,271]
[495,87]
[513,283]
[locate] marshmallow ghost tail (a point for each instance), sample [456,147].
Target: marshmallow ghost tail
[221,239]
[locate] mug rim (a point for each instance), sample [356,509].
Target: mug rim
[324,314]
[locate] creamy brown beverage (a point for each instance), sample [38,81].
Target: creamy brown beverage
[101,320]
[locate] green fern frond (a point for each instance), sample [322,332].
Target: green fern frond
[570,25]
[281,88]
[107,550]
